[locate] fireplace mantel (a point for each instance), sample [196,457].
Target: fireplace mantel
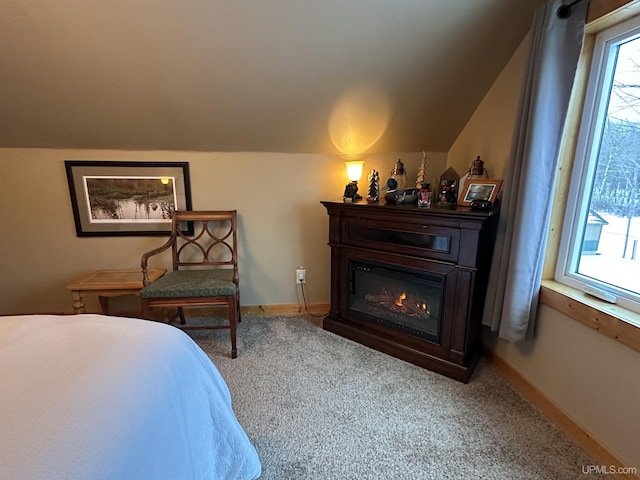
[443,254]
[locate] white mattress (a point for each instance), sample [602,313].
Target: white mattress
[98,397]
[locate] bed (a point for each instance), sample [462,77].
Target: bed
[100,397]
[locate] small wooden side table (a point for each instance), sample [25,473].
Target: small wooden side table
[109,283]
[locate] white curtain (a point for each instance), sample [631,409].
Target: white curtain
[516,271]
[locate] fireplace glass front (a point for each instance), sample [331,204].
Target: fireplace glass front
[406,300]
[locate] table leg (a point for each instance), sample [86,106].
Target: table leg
[78,301]
[104,304]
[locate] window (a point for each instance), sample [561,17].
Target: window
[600,245]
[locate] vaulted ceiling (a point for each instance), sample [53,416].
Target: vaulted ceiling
[250,75]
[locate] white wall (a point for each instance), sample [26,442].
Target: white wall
[591,377]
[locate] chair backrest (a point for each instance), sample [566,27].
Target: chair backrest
[213,243]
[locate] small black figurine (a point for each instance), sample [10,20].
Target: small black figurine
[448,195]
[351,192]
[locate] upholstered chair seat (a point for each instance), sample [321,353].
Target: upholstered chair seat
[192,283]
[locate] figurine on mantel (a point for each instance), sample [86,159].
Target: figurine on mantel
[351,193]
[421,171]
[476,172]
[374,187]
[399,175]
[448,195]
[391,185]
[424,196]
[399,195]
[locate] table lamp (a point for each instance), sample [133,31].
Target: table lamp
[354,172]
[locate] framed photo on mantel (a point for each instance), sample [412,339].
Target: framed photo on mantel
[127,198]
[479,190]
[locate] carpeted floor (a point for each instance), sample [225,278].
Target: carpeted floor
[318,406]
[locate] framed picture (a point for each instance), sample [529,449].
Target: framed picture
[127,198]
[479,190]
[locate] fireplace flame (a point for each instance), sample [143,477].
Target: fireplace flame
[402,296]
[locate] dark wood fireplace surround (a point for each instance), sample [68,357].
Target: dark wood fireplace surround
[464,263]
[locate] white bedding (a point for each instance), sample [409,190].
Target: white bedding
[97,397]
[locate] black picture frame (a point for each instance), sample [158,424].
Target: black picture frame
[127,198]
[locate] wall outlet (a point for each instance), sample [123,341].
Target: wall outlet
[301,275]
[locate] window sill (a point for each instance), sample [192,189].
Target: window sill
[611,320]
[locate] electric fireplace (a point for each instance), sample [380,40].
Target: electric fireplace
[410,281]
[402,299]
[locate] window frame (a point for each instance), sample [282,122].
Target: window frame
[584,164]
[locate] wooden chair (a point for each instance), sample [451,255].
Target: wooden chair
[205,269]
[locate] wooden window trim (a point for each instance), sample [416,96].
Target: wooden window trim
[611,320]
[604,13]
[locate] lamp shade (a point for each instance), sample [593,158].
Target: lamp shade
[354,170]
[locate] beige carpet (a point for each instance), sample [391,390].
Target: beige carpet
[318,406]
